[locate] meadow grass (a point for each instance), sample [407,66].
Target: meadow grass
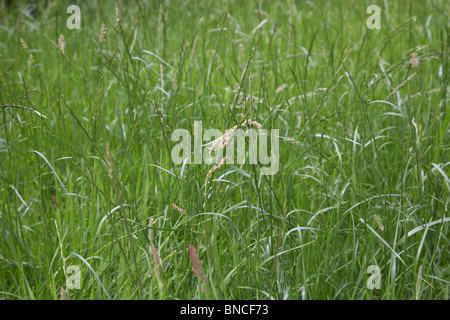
[85,150]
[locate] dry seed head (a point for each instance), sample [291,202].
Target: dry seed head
[24,45]
[63,294]
[223,141]
[157,267]
[292,140]
[414,60]
[212,170]
[281,88]
[62,43]
[196,265]
[150,230]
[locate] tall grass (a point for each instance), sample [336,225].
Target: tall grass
[85,150]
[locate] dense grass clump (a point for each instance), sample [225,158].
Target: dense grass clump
[87,179]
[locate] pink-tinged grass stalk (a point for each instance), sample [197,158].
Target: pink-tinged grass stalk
[292,140]
[197,265]
[212,170]
[62,44]
[179,209]
[27,50]
[102,36]
[54,201]
[157,268]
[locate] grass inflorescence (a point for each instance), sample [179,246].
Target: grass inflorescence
[87,179]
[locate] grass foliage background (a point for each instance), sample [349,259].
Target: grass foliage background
[365,183]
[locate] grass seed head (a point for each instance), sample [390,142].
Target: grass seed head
[196,265]
[414,60]
[62,43]
[102,36]
[179,209]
